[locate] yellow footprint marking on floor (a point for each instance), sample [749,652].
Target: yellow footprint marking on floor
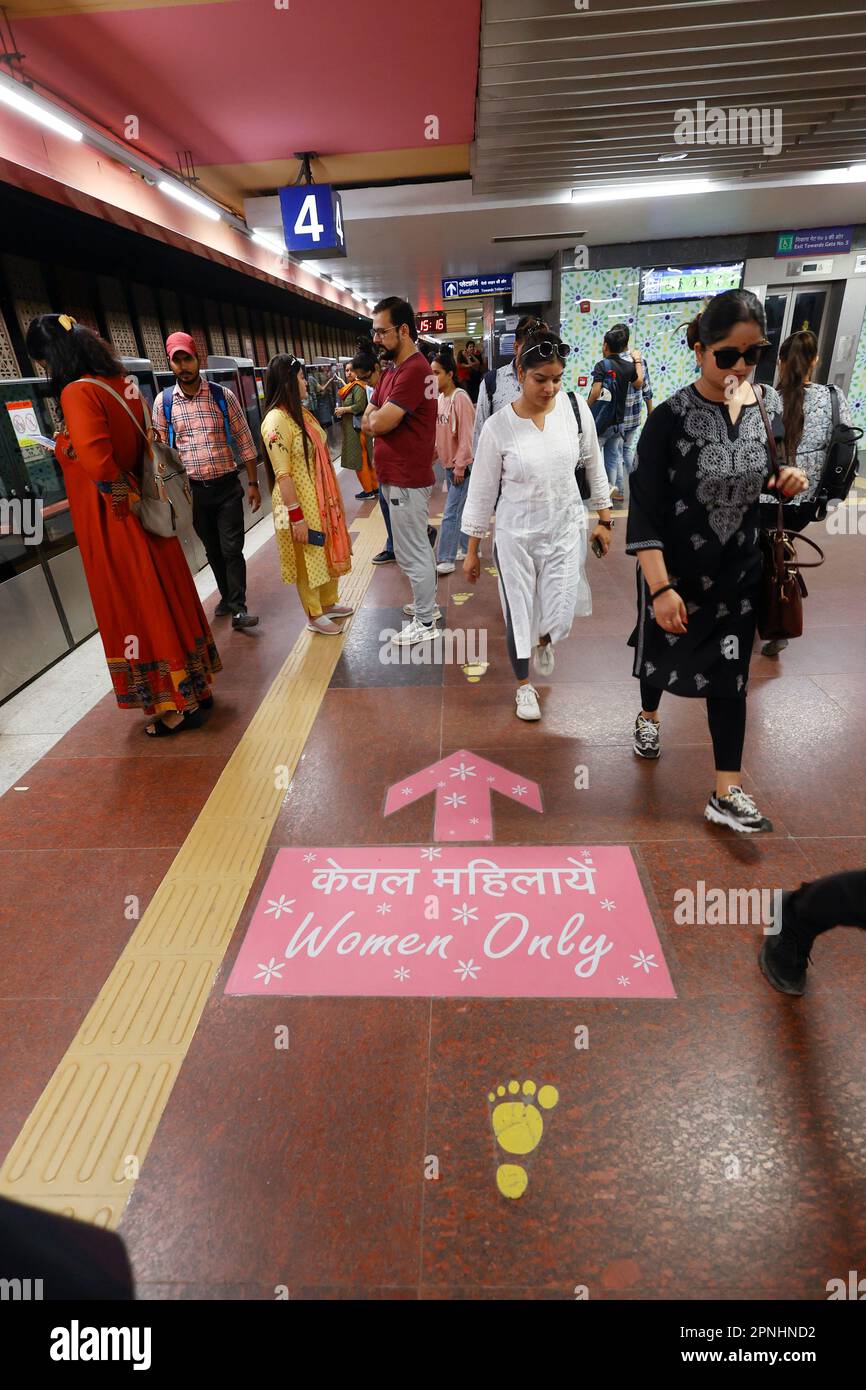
[491,569]
[461,598]
[518,1126]
[474,673]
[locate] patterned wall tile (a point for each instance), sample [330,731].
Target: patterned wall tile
[857,389]
[149,325]
[215,336]
[171,315]
[8,361]
[612,297]
[27,287]
[77,296]
[121,333]
[247,344]
[192,324]
[233,342]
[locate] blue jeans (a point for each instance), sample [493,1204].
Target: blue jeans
[612,443]
[629,448]
[386,512]
[449,531]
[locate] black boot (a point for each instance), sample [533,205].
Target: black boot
[784,960]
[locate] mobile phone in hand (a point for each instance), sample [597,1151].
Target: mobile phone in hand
[597,547]
[315,538]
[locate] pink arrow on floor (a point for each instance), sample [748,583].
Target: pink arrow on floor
[463,783]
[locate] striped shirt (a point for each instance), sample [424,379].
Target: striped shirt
[200,433]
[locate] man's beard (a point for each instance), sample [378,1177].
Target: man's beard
[387,354]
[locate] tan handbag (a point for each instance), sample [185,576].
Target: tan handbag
[165,508]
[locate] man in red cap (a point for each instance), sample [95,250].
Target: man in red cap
[207,426]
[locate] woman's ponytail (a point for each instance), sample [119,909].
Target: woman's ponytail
[797,357]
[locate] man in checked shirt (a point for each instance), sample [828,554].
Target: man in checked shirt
[199,434]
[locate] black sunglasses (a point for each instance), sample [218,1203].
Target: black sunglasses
[547,351]
[729,357]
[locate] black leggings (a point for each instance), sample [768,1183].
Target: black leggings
[839,900]
[726,716]
[519,665]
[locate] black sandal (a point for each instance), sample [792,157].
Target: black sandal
[205,702]
[191,720]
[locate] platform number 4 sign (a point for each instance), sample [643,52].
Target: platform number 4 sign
[313,221]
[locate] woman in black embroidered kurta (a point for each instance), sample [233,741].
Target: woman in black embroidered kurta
[693,522]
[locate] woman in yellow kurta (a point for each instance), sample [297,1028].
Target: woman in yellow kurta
[309,520]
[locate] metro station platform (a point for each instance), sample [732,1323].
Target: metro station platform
[704,1143]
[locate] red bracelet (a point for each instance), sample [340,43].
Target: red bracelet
[295,514]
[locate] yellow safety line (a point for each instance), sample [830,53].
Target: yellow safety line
[82,1147]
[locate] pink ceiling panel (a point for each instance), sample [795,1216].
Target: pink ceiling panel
[244,81]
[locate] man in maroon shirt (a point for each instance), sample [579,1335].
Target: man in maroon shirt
[402,418]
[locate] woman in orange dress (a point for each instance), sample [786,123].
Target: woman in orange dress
[159,648]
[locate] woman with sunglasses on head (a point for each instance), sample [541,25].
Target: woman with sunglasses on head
[807,420]
[309,520]
[703,462]
[530,450]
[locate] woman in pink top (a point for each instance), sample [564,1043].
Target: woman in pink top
[455,422]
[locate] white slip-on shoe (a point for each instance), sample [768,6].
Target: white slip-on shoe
[527,703]
[324,626]
[416,632]
[339,610]
[544,660]
[409,610]
[445,567]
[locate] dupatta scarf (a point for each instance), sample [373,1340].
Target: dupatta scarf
[338,547]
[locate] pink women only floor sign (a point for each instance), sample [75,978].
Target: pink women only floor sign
[552,921]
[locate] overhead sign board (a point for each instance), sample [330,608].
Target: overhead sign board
[471,286]
[813,241]
[662,283]
[313,221]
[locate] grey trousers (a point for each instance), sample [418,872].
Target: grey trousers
[408,509]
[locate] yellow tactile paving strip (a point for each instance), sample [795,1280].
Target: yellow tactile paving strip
[83,1145]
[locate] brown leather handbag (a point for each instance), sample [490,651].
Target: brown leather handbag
[780,602]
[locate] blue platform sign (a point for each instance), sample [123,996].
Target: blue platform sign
[313,221]
[815,241]
[471,286]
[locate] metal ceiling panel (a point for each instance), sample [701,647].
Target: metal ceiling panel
[578,98]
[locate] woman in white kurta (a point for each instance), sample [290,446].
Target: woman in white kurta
[527,454]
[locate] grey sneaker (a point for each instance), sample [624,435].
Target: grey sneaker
[738,811]
[646,738]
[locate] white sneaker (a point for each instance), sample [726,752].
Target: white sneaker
[409,610]
[544,660]
[527,702]
[445,568]
[416,632]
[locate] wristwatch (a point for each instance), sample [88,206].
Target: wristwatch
[609,524]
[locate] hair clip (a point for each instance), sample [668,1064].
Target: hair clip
[67,321]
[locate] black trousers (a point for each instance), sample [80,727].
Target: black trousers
[726,717]
[836,901]
[218,520]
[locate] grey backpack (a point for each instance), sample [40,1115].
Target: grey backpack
[166,497]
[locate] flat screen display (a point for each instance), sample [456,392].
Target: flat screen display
[662,284]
